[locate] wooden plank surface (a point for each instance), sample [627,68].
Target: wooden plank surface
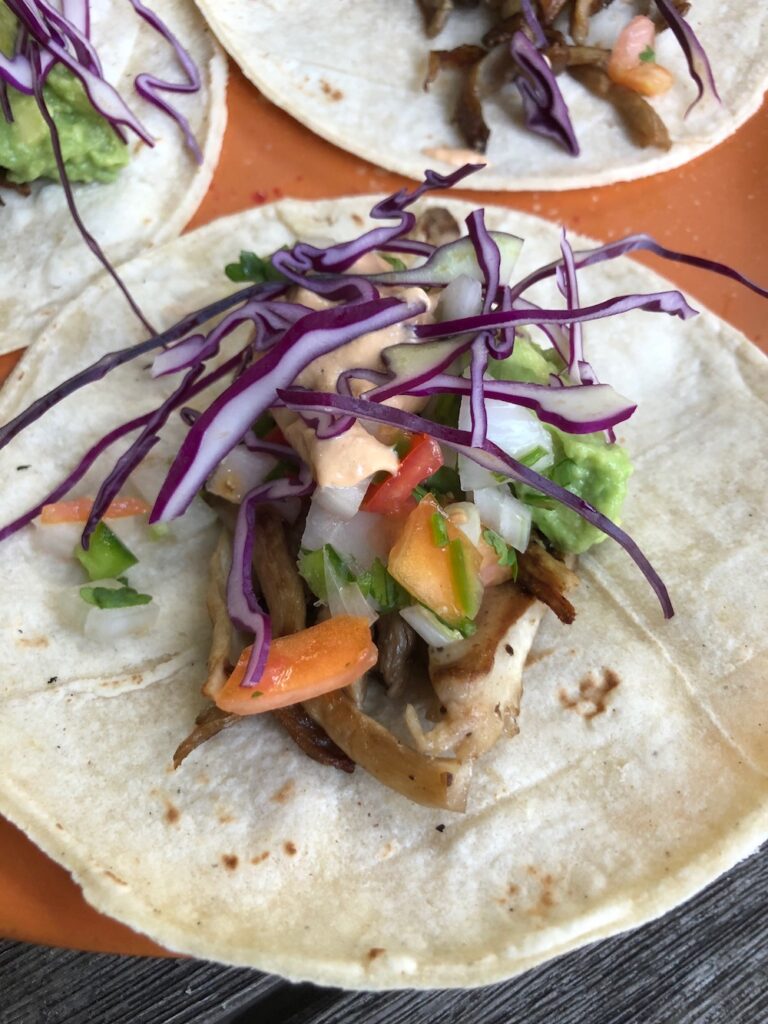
[706,963]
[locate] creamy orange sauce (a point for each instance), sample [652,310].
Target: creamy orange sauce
[454,156]
[358,453]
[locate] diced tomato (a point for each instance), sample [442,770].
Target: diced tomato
[429,571]
[275,436]
[77,510]
[394,496]
[332,654]
[626,66]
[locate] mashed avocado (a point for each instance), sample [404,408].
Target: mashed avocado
[584,464]
[92,151]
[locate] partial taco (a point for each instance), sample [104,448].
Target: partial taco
[111,123]
[550,94]
[444,880]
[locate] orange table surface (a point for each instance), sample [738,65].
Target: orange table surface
[716,207]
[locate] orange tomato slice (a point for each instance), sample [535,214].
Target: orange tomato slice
[77,510]
[306,664]
[626,66]
[426,570]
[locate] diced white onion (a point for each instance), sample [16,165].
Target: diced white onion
[59,539]
[345,598]
[360,538]
[106,625]
[147,480]
[462,297]
[473,476]
[239,472]
[341,502]
[514,429]
[429,627]
[465,517]
[504,514]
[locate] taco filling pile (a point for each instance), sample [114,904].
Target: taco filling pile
[406,454]
[530,44]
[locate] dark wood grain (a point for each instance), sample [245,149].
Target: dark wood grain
[705,963]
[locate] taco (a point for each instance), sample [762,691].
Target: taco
[139,142]
[639,769]
[528,85]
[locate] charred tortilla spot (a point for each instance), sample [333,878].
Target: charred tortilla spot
[439,828]
[285,792]
[115,878]
[172,814]
[230,861]
[375,951]
[33,641]
[510,650]
[290,848]
[333,94]
[260,858]
[591,699]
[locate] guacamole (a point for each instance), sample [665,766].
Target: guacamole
[585,464]
[92,151]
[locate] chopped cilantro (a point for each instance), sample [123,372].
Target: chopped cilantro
[251,267]
[444,481]
[534,499]
[393,261]
[382,588]
[419,492]
[375,583]
[264,424]
[282,469]
[533,456]
[505,553]
[107,597]
[464,626]
[648,55]
[403,445]
[443,409]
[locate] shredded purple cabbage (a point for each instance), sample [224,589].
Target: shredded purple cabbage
[150,86]
[545,110]
[225,421]
[671,302]
[698,63]
[288,336]
[489,261]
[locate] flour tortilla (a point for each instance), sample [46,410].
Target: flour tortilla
[353,72]
[151,199]
[578,828]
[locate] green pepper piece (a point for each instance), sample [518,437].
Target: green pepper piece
[461,583]
[107,557]
[439,530]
